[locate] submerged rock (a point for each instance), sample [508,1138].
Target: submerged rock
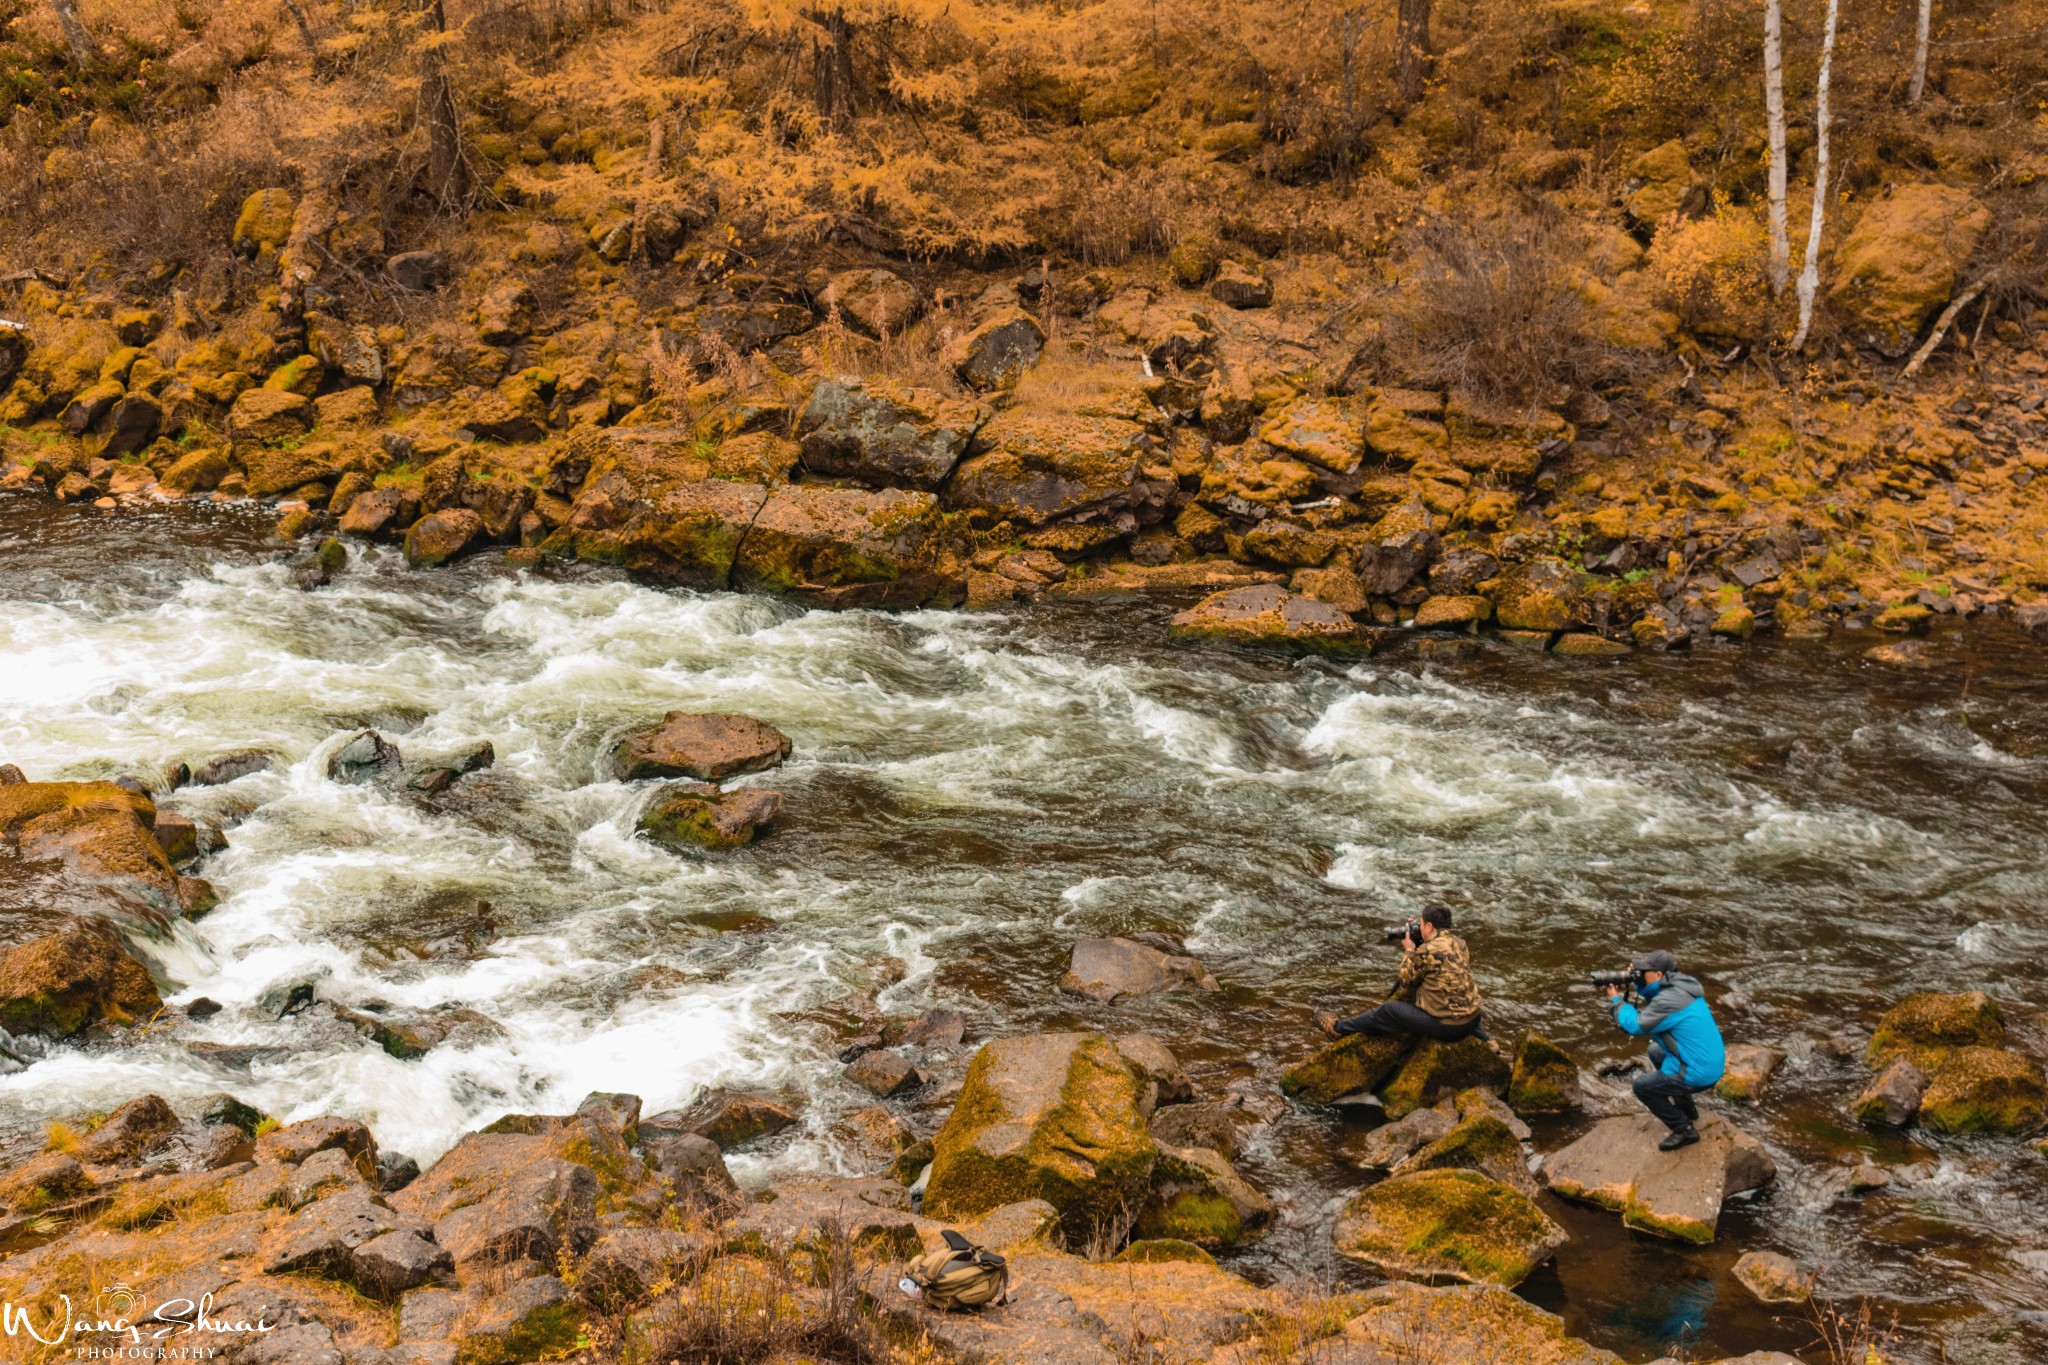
[1447,1225]
[1049,1116]
[1677,1194]
[1113,969]
[709,747]
[365,756]
[697,815]
[1773,1278]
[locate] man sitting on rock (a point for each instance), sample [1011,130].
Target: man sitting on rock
[1437,973]
[1686,1052]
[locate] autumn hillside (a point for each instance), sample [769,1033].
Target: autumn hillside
[1537,298]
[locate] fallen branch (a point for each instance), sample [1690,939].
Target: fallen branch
[1941,326]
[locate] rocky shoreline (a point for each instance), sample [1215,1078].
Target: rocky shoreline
[1076,439]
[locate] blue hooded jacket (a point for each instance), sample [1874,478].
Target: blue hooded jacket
[1675,1014]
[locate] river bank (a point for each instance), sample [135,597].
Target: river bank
[972,792]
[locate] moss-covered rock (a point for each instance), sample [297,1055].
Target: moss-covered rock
[1152,1250]
[886,433]
[1900,262]
[1543,594]
[1928,1026]
[1436,1068]
[1198,1197]
[65,982]
[265,222]
[697,815]
[1984,1090]
[842,547]
[1544,1079]
[1268,614]
[1480,1142]
[100,832]
[300,375]
[1346,1067]
[1322,431]
[1046,466]
[1048,1116]
[1441,1225]
[269,415]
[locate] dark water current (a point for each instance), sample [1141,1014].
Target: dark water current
[1816,837]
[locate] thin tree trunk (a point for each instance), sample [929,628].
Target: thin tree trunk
[446,177]
[1920,42]
[75,35]
[1411,48]
[298,13]
[1809,269]
[832,67]
[1941,326]
[1774,112]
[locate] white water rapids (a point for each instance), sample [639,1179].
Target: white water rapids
[971,793]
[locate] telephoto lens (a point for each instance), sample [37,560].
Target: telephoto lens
[1412,929]
[1612,978]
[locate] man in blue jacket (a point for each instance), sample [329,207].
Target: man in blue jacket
[1686,1052]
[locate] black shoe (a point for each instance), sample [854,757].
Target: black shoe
[1680,1137]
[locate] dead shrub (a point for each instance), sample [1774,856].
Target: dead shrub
[1102,217]
[1488,309]
[1713,273]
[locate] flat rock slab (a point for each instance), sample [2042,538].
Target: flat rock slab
[1677,1194]
[1113,969]
[709,747]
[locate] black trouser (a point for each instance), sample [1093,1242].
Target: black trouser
[1397,1017]
[1668,1097]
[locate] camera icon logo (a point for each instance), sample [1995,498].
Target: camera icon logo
[118,1300]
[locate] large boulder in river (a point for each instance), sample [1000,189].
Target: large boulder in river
[1113,969]
[1043,467]
[365,756]
[886,433]
[440,536]
[1352,1065]
[842,547]
[1448,1224]
[1268,614]
[79,976]
[1984,1090]
[729,1118]
[1900,262]
[1677,1194]
[707,746]
[1050,1116]
[648,504]
[1928,1026]
[97,831]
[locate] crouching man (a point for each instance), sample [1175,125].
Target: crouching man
[1686,1052]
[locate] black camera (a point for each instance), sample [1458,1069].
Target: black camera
[1626,980]
[1412,929]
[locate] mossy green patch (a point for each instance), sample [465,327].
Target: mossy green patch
[1544,1079]
[1926,1027]
[1447,1224]
[1984,1090]
[1358,1062]
[1436,1068]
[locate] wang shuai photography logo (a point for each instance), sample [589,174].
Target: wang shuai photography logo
[120,1323]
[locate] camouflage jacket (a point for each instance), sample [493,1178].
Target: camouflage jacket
[1439,976]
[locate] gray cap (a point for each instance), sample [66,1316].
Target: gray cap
[1660,961]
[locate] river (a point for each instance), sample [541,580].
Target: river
[970,792]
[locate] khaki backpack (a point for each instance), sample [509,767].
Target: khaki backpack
[963,1275]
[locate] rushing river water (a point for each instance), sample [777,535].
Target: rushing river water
[971,793]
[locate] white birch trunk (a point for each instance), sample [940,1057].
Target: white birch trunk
[1920,40]
[1774,112]
[1809,269]
[75,35]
